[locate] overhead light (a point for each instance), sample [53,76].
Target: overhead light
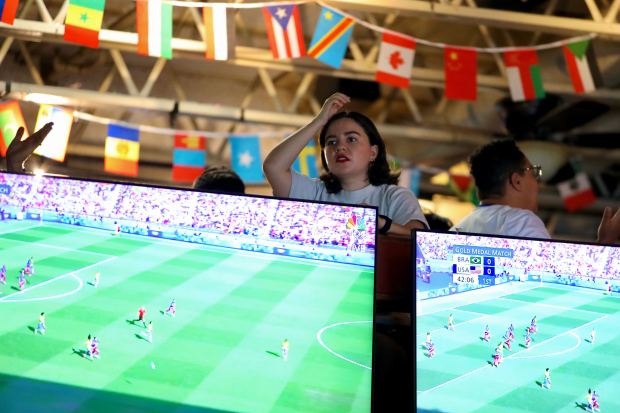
[44,98]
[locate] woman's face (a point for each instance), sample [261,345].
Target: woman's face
[347,150]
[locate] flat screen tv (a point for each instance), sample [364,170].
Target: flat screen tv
[516,324]
[250,304]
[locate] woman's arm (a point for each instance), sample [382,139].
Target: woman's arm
[277,164]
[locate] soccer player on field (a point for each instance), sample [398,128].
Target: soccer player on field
[89,347]
[497,358]
[284,348]
[141,314]
[511,332]
[149,332]
[592,335]
[3,274]
[172,308]
[428,339]
[547,382]
[94,347]
[590,400]
[431,350]
[96,280]
[528,338]
[595,404]
[41,325]
[533,327]
[487,334]
[507,340]
[29,270]
[22,279]
[451,322]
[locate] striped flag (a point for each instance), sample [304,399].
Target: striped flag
[154,24]
[460,67]
[55,144]
[576,192]
[11,119]
[582,66]
[395,59]
[305,163]
[331,37]
[524,76]
[8,9]
[122,150]
[219,33]
[83,22]
[245,158]
[188,158]
[284,31]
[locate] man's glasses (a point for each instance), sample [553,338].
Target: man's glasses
[536,171]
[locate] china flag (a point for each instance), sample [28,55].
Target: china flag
[460,71]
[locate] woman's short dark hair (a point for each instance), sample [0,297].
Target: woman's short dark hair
[493,164]
[219,178]
[378,171]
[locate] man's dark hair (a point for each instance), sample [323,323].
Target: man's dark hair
[219,178]
[493,164]
[378,170]
[437,222]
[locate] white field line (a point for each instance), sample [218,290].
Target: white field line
[318,337]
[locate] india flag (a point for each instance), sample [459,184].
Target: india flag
[524,78]
[154,24]
[582,67]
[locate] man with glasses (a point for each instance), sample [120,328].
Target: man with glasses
[508,187]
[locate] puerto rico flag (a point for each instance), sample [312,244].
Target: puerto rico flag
[524,78]
[8,9]
[331,38]
[284,31]
[395,59]
[582,67]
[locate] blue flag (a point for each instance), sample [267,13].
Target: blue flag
[410,179]
[246,158]
[331,37]
[305,163]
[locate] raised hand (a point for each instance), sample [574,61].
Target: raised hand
[20,150]
[333,105]
[609,228]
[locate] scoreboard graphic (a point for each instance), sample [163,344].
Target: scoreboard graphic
[476,265]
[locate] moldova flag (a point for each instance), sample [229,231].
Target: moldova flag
[188,159]
[8,9]
[11,119]
[122,150]
[331,38]
[83,22]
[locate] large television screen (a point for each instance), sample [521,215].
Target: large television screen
[515,324]
[126,298]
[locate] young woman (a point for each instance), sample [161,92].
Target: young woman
[354,156]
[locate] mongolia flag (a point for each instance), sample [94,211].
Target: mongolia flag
[83,22]
[305,163]
[331,38]
[460,68]
[122,150]
[8,9]
[11,119]
[284,31]
[245,158]
[55,144]
[524,76]
[154,24]
[219,33]
[577,192]
[582,66]
[188,159]
[395,59]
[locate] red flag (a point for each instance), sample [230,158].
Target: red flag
[576,192]
[11,119]
[460,67]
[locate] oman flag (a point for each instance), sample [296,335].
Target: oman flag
[154,23]
[582,67]
[460,68]
[524,78]
[577,192]
[83,22]
[395,59]
[11,119]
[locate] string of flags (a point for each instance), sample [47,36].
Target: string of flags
[329,44]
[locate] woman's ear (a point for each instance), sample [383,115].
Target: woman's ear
[374,152]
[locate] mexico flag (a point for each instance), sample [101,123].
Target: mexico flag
[577,192]
[395,59]
[582,67]
[154,24]
[524,78]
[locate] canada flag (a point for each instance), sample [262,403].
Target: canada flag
[395,59]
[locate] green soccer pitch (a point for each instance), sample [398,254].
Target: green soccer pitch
[220,353]
[461,377]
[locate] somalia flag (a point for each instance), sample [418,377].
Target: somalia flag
[331,37]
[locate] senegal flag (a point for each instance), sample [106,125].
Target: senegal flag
[83,22]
